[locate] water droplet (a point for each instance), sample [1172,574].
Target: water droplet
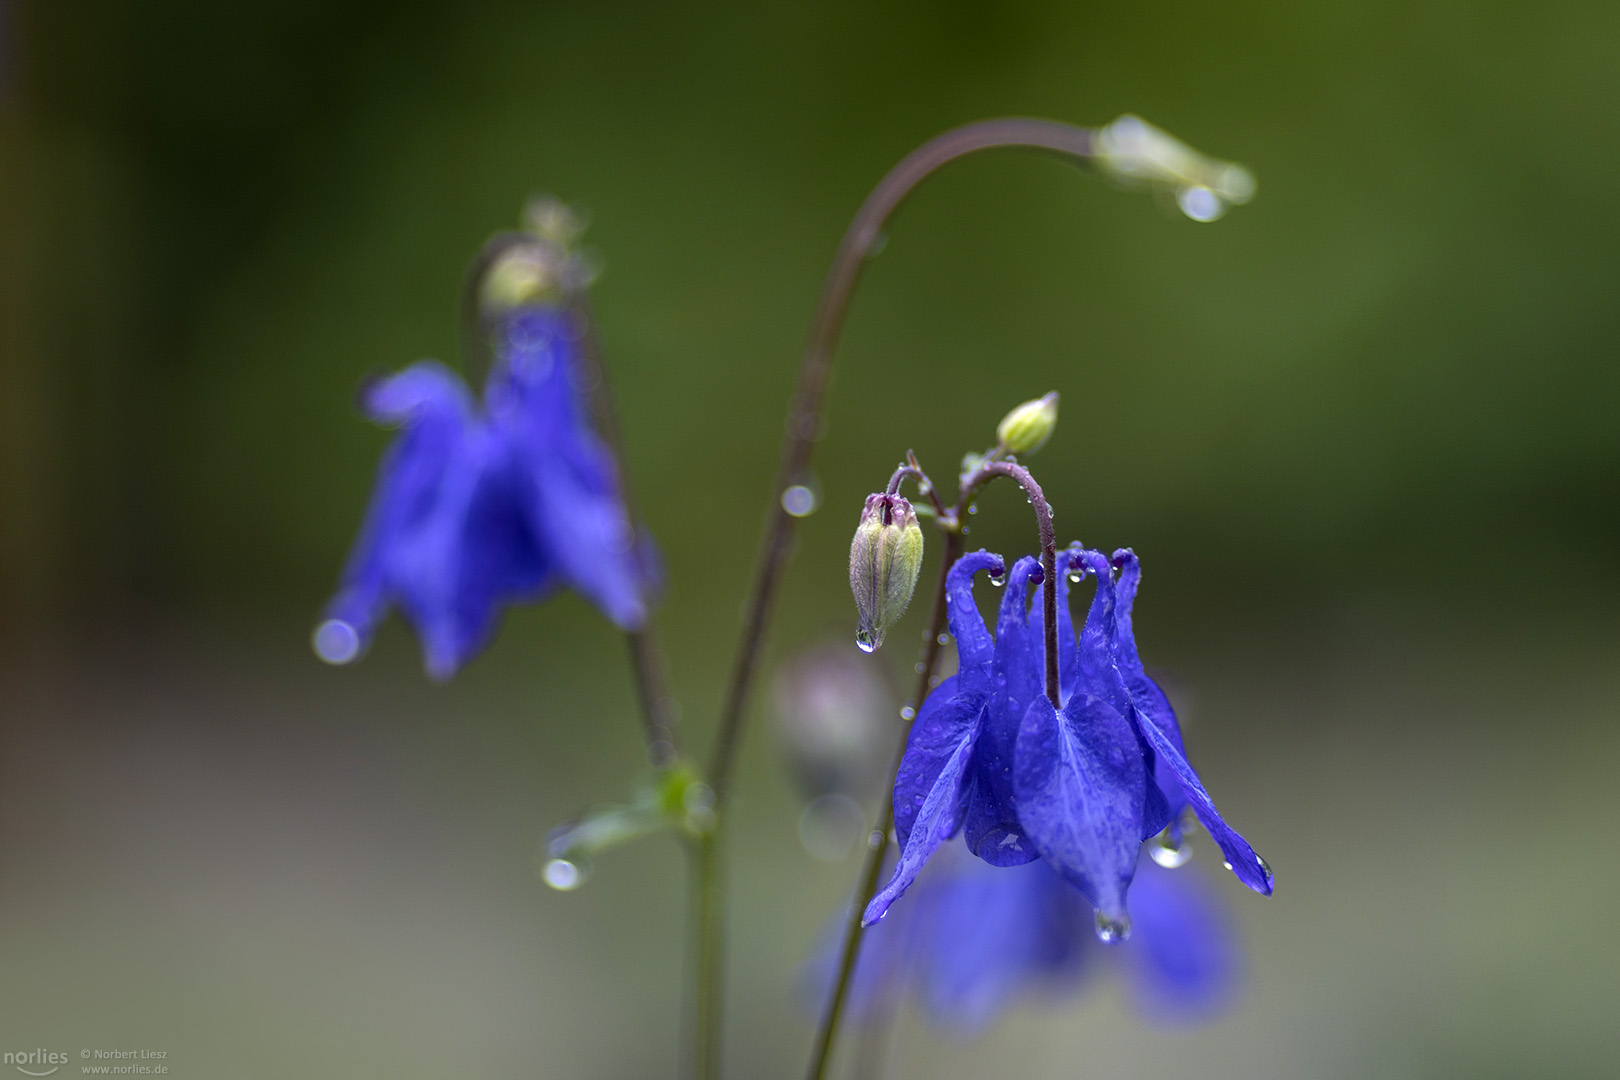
[1265,867]
[874,839]
[1226,863]
[1200,203]
[933,681]
[865,641]
[944,639]
[966,530]
[921,667]
[1112,931]
[973,508]
[907,712]
[1036,576]
[336,641]
[565,876]
[1077,576]
[799,501]
[998,580]
[1170,853]
[925,488]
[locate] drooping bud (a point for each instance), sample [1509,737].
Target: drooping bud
[1026,429]
[528,273]
[1133,151]
[884,561]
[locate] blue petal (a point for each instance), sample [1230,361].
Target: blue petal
[991,827]
[572,492]
[1100,674]
[946,718]
[1019,663]
[1151,702]
[1158,725]
[436,540]
[432,404]
[1080,782]
[994,935]
[974,648]
[1183,956]
[1249,867]
[938,779]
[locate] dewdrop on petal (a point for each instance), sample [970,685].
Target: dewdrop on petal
[884,561]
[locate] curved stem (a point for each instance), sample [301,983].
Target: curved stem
[901,474]
[1043,522]
[804,416]
[827,1033]
[804,421]
[925,486]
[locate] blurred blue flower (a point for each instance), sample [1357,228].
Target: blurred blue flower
[478,508]
[1080,787]
[977,939]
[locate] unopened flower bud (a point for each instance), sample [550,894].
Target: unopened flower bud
[1133,151]
[527,274]
[1026,429]
[883,564]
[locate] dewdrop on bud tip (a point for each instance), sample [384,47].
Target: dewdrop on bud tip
[1133,151]
[884,560]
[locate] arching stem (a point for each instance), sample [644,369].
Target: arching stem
[804,416]
[804,421]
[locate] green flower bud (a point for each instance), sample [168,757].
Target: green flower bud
[527,274]
[1133,151]
[1026,429]
[884,562]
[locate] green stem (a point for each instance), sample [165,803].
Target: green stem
[710,959]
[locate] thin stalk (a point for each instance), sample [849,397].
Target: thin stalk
[849,951]
[805,414]
[925,487]
[710,958]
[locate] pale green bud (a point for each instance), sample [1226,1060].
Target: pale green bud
[527,274]
[1134,151]
[1026,429]
[884,561]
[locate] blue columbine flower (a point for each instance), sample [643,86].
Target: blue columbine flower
[975,939]
[1080,787]
[476,508]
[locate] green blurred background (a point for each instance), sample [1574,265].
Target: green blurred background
[1362,432]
